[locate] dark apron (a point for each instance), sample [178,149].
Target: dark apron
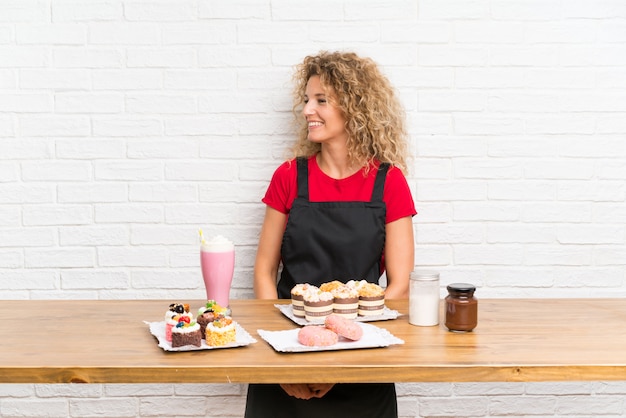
[326,241]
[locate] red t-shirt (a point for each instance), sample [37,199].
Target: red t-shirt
[283,189]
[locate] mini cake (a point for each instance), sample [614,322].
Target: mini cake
[317,336]
[345,301]
[220,332]
[297,298]
[330,286]
[317,306]
[208,313]
[344,327]
[371,299]
[356,284]
[186,333]
[172,316]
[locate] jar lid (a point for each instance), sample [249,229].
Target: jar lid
[461,287]
[425,275]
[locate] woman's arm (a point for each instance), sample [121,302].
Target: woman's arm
[265,272]
[268,254]
[399,257]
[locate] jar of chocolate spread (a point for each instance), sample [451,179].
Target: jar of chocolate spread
[461,307]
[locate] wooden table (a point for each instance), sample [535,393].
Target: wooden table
[516,340]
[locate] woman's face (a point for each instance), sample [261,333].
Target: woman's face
[326,122]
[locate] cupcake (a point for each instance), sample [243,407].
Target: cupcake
[317,306]
[345,301]
[297,298]
[371,299]
[186,333]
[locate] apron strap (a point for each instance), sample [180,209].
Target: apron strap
[303,178]
[379,184]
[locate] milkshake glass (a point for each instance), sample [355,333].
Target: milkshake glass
[217,260]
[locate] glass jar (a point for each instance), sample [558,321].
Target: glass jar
[424,298]
[461,307]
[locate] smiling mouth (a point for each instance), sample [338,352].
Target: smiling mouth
[315,124]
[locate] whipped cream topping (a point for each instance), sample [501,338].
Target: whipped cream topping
[218,243]
[318,296]
[193,327]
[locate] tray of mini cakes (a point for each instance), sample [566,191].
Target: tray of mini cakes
[333,316]
[212,328]
[358,300]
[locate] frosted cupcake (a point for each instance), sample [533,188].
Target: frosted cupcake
[345,301]
[371,299]
[317,306]
[297,298]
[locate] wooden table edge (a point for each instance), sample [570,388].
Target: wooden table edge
[450,374]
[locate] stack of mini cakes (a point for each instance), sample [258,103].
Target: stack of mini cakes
[349,300]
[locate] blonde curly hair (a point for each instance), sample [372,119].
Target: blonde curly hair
[375,119]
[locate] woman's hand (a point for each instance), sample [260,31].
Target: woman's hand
[321,389]
[307,391]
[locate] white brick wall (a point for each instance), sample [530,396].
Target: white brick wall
[126,124]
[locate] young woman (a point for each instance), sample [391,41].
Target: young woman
[341,209]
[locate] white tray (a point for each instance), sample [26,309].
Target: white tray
[387,314]
[158,330]
[287,341]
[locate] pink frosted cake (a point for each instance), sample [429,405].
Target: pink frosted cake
[317,306]
[172,316]
[344,327]
[317,336]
